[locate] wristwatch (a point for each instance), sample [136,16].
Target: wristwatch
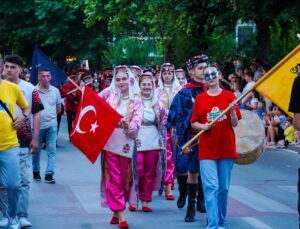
[26,116]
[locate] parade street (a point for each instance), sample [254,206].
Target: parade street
[262,195]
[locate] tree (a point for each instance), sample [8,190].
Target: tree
[55,27]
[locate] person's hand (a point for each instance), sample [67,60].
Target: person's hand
[186,150]
[232,106]
[125,123]
[206,126]
[18,121]
[34,145]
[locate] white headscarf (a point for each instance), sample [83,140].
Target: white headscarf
[181,71]
[154,97]
[175,82]
[133,86]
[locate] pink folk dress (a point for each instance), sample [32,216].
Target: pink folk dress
[118,159]
[151,150]
[165,95]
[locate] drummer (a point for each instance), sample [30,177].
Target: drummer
[216,160]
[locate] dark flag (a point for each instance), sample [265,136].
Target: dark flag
[39,59]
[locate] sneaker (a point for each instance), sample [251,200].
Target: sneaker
[36,176]
[14,224]
[49,179]
[4,222]
[24,222]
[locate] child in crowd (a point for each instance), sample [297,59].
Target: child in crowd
[252,104]
[276,127]
[261,108]
[289,132]
[236,87]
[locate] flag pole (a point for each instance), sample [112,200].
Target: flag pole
[74,83]
[78,88]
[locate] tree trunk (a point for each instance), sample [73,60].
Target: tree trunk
[263,39]
[169,54]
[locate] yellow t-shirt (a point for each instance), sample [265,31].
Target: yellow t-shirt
[289,134]
[10,95]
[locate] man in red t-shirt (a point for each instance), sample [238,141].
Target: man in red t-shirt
[217,149]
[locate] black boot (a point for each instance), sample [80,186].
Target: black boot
[182,190]
[190,213]
[200,197]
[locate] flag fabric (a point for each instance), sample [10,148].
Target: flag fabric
[277,83]
[39,59]
[94,123]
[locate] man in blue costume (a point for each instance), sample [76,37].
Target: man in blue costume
[187,166]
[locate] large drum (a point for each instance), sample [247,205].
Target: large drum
[250,138]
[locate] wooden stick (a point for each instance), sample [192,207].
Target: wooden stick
[217,118]
[74,83]
[77,88]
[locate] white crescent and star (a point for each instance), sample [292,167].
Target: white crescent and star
[94,126]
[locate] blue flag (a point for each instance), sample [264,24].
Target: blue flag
[39,60]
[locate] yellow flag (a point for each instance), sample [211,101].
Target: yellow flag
[277,83]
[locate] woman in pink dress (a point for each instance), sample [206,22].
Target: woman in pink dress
[150,143]
[117,185]
[168,86]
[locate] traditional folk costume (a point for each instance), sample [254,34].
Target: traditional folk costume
[180,74]
[165,95]
[151,147]
[179,118]
[119,167]
[137,71]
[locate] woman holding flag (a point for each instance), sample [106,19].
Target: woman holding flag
[216,161]
[119,155]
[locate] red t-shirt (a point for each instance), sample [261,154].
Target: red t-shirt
[219,141]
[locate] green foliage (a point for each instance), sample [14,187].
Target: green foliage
[55,27]
[86,28]
[132,51]
[284,38]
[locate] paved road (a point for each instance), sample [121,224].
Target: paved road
[263,195]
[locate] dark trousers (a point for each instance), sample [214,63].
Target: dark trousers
[70,119]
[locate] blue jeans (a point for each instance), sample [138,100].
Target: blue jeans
[215,176]
[50,135]
[10,178]
[22,209]
[25,158]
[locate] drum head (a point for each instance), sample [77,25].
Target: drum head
[250,138]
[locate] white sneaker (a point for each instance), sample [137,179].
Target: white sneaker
[24,222]
[14,224]
[4,222]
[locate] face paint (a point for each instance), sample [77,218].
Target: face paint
[210,74]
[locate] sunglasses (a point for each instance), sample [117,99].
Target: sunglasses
[211,75]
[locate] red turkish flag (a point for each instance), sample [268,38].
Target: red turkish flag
[94,123]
